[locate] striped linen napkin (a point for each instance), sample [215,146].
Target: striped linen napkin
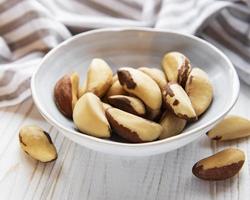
[30,28]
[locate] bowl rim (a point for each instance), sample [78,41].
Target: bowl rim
[210,122]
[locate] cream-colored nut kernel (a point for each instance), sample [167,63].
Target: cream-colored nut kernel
[132,105]
[157,75]
[106,106]
[99,77]
[115,89]
[82,90]
[220,166]
[230,128]
[176,67]
[178,101]
[142,86]
[115,78]
[131,127]
[200,90]
[37,143]
[66,93]
[89,116]
[171,124]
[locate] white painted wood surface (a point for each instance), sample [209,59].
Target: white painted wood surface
[80,173]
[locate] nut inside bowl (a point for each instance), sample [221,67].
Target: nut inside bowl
[134,47]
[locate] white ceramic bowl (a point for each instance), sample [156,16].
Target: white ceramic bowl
[133,47]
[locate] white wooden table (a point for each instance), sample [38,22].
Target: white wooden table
[80,173]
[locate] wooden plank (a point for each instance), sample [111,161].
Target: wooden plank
[80,173]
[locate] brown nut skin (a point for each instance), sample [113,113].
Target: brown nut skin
[178,102]
[176,67]
[141,85]
[37,144]
[230,128]
[131,127]
[132,105]
[66,93]
[153,115]
[220,166]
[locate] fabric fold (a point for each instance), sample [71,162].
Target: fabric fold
[29,29]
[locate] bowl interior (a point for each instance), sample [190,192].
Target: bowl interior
[134,48]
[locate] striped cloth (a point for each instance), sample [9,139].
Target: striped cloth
[30,28]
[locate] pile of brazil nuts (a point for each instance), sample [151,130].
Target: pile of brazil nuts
[141,105]
[138,105]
